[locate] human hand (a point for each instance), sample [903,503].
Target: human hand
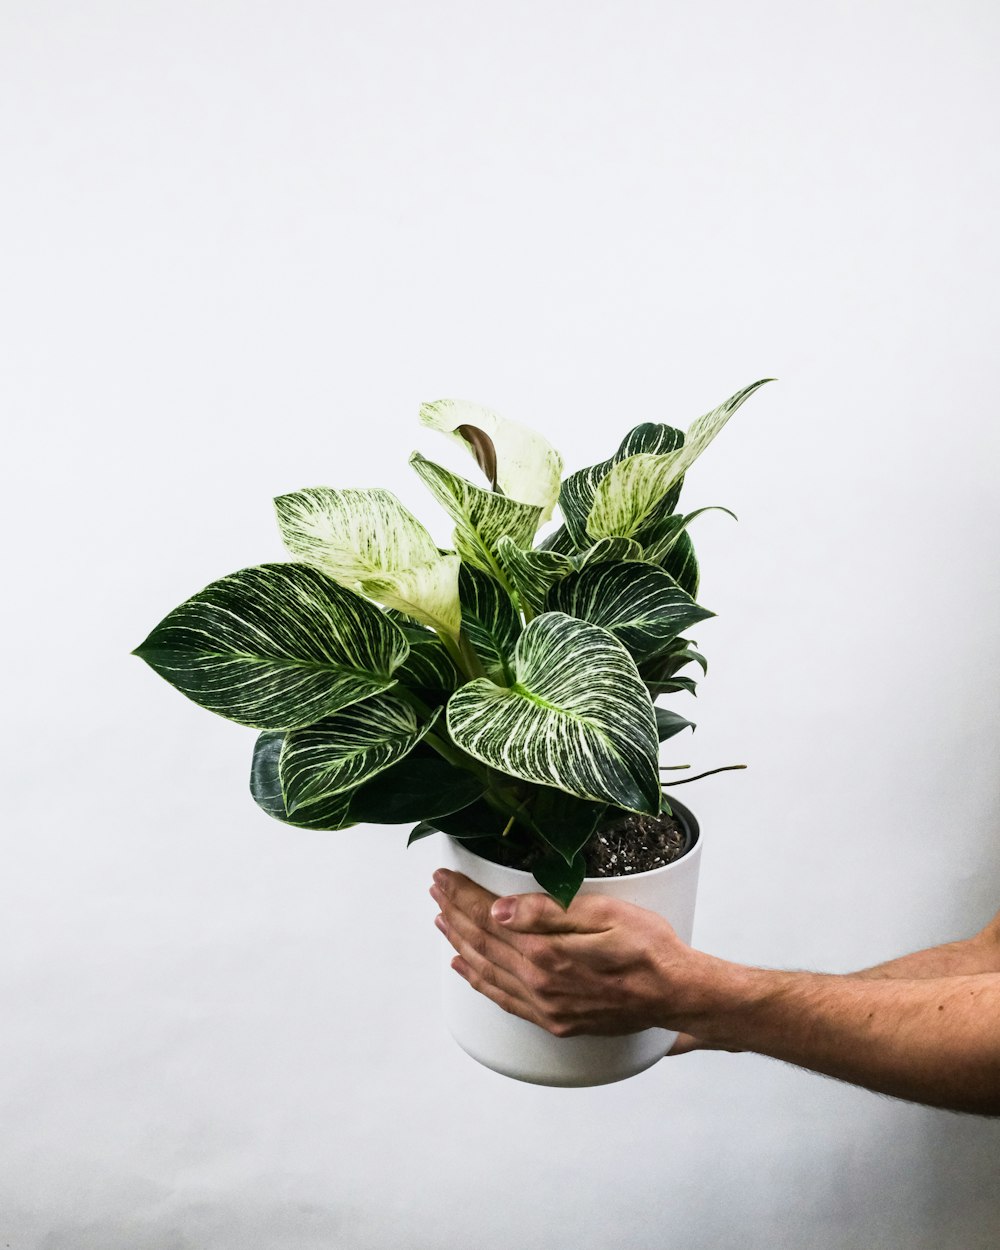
[602,967]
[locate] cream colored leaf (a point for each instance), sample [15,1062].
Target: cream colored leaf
[529,468]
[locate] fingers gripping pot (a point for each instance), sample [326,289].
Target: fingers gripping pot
[520,1049]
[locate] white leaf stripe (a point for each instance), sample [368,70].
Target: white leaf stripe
[639,603]
[341,751]
[265,786]
[576,497]
[489,620]
[528,466]
[608,549]
[276,646]
[481,517]
[579,717]
[532,572]
[368,541]
[632,494]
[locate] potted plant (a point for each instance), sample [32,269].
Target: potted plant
[502,693]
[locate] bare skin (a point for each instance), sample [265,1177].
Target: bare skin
[925,1027]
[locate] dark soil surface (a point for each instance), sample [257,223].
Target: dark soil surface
[634,844]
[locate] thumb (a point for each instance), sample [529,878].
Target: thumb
[533,913]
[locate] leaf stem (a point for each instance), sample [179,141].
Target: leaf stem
[684,780]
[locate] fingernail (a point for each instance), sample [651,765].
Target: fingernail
[460,966]
[440,876]
[502,909]
[441,924]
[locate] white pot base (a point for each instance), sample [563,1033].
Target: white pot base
[514,1047]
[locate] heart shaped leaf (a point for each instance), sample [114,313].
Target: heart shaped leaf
[489,621]
[341,751]
[276,646]
[578,716]
[639,603]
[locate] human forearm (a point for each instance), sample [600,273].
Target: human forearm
[971,957]
[934,1041]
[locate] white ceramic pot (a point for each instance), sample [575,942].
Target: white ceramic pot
[516,1048]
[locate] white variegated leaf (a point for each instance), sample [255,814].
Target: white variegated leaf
[578,716]
[341,751]
[528,467]
[606,550]
[481,517]
[639,603]
[630,493]
[533,571]
[576,497]
[367,540]
[276,646]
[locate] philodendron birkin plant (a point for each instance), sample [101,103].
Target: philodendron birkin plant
[502,692]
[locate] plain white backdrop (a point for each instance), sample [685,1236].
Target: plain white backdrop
[241,243]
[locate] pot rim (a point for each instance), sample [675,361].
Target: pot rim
[684,814]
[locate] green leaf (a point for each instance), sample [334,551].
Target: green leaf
[277,646]
[578,716]
[532,572]
[661,540]
[477,821]
[480,516]
[423,830]
[528,468]
[576,498]
[366,540]
[682,564]
[428,670]
[561,820]
[560,879]
[265,786]
[341,751]
[489,621]
[669,723]
[633,492]
[420,786]
[607,550]
[639,603]
[559,541]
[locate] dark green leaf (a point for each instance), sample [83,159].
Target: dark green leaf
[560,879]
[277,646]
[489,621]
[669,723]
[421,786]
[265,786]
[639,603]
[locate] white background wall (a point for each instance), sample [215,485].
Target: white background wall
[241,243]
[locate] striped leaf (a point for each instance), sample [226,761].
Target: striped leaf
[634,491]
[606,550]
[532,572]
[276,646]
[428,670]
[578,716]
[576,498]
[659,541]
[481,517]
[366,540]
[640,604]
[341,751]
[527,467]
[682,564]
[265,786]
[558,540]
[489,621]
